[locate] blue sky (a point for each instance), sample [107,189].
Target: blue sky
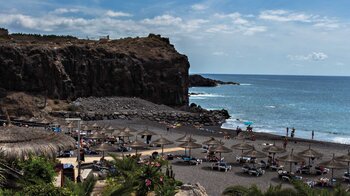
[298,37]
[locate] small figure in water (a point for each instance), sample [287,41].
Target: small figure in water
[287,131]
[292,133]
[312,134]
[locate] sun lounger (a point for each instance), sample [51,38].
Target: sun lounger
[287,176]
[221,166]
[257,171]
[304,169]
[321,170]
[240,159]
[346,176]
[192,160]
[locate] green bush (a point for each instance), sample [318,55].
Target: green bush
[37,170]
[45,190]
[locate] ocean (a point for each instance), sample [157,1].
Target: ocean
[274,102]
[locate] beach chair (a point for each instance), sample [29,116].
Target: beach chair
[221,166]
[287,176]
[321,170]
[245,168]
[257,171]
[304,169]
[346,176]
[192,160]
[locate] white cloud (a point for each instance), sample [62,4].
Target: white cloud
[285,16]
[219,53]
[199,7]
[314,56]
[237,23]
[65,10]
[111,13]
[163,20]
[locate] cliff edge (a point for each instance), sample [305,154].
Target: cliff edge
[149,68]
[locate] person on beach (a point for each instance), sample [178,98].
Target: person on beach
[312,134]
[285,142]
[292,133]
[287,131]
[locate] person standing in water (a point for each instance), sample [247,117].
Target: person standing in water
[312,134]
[292,133]
[287,131]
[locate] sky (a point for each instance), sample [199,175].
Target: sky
[286,37]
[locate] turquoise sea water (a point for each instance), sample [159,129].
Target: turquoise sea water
[318,103]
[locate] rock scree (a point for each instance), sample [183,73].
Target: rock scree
[147,67]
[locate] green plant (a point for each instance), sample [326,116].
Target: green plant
[140,179]
[81,189]
[45,190]
[37,170]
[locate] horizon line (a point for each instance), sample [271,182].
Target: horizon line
[257,74]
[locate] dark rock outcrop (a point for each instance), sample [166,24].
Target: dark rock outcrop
[198,80]
[149,68]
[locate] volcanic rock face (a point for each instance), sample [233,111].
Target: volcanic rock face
[149,68]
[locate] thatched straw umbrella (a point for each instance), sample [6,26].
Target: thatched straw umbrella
[242,146]
[185,138]
[345,158]
[122,134]
[212,142]
[128,129]
[310,153]
[190,145]
[274,149]
[333,164]
[220,148]
[291,158]
[162,141]
[104,147]
[20,142]
[253,153]
[136,144]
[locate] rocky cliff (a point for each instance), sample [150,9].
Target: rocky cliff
[198,80]
[149,68]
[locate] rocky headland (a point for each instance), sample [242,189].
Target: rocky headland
[45,76]
[198,81]
[64,67]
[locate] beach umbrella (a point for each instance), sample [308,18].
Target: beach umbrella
[248,123]
[96,135]
[105,147]
[136,144]
[110,128]
[253,153]
[162,141]
[273,149]
[190,145]
[21,142]
[86,128]
[345,158]
[95,126]
[128,129]
[212,142]
[310,153]
[242,146]
[185,138]
[146,133]
[290,158]
[333,164]
[122,134]
[220,148]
